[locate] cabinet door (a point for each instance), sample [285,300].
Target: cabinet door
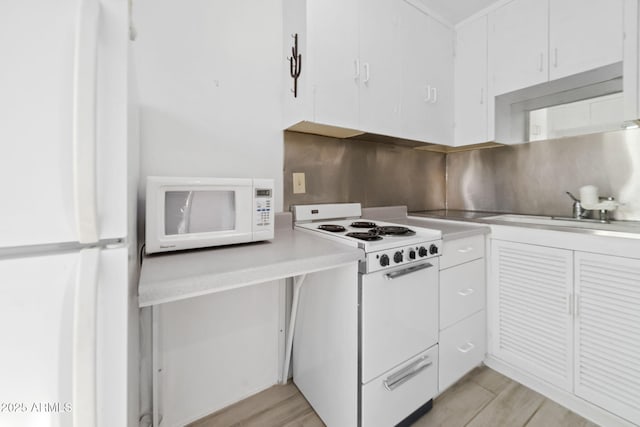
[332,44]
[439,48]
[518,45]
[607,332]
[415,102]
[533,327]
[470,76]
[584,35]
[379,66]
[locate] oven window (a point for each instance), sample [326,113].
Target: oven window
[199,211]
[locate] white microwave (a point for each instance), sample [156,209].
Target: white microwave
[188,213]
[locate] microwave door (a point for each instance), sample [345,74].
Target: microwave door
[203,211]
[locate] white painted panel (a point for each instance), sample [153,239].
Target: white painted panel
[36,179]
[325,345]
[470,75]
[332,51]
[382,407]
[462,292]
[607,333]
[380,66]
[399,318]
[462,347]
[36,323]
[216,350]
[518,45]
[534,323]
[584,35]
[458,251]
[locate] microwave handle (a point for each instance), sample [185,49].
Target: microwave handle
[84,121]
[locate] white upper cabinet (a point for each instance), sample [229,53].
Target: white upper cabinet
[426,105]
[584,35]
[439,48]
[518,45]
[328,86]
[378,66]
[470,82]
[534,41]
[379,61]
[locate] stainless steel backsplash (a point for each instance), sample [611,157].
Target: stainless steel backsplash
[532,178]
[528,178]
[372,173]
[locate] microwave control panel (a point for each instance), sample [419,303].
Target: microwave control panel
[263,206]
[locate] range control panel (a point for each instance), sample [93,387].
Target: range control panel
[389,258]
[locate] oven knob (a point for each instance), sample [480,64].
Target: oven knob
[412,254]
[423,251]
[384,260]
[397,257]
[433,249]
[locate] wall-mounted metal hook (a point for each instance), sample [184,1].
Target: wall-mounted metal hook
[295,64]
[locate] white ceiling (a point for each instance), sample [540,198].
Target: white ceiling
[455,11]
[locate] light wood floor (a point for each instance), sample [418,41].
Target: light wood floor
[483,398]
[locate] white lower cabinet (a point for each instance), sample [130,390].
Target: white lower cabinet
[389,398]
[534,323]
[462,337]
[569,318]
[462,347]
[607,332]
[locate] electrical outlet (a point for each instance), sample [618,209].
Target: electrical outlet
[298,183]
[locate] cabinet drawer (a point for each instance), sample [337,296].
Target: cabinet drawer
[462,347]
[458,251]
[462,292]
[383,407]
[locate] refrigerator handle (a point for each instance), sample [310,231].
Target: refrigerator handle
[85,321]
[84,121]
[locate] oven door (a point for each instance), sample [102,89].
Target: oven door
[399,315]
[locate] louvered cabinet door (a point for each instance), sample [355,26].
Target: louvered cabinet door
[607,369]
[533,327]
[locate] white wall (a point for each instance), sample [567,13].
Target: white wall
[210,75]
[210,88]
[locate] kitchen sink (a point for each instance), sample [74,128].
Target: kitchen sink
[621,226]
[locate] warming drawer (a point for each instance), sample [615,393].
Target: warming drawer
[391,397]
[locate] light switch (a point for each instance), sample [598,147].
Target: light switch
[298,183]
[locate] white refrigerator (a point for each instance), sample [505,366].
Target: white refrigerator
[68,177]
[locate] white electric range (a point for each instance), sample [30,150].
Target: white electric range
[397,311]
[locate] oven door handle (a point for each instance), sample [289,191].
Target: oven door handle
[405,374]
[409,270]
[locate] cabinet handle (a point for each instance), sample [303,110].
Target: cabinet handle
[481,95]
[541,62]
[405,374]
[367,74]
[428,90]
[466,348]
[435,95]
[466,292]
[570,304]
[465,250]
[356,64]
[555,57]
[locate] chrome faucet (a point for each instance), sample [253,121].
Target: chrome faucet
[578,211]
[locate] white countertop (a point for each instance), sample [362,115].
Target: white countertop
[180,275]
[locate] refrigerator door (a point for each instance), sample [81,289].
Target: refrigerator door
[47,158]
[47,348]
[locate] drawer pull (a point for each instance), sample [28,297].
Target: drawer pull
[466,348]
[466,292]
[406,373]
[465,250]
